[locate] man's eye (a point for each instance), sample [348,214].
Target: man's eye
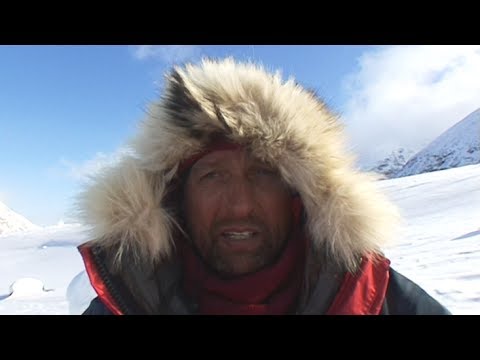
[265,172]
[210,175]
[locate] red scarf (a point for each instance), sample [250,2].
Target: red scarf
[270,291]
[273,290]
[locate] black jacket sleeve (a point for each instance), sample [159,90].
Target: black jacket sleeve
[97,307]
[404,297]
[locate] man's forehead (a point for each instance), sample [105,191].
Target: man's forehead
[221,156]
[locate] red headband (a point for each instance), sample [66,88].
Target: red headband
[216,145]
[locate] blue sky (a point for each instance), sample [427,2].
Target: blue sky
[66,110]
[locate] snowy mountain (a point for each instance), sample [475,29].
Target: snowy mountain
[393,163]
[10,221]
[458,146]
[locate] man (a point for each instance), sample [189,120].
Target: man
[239,198]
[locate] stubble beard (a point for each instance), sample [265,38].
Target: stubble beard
[242,263]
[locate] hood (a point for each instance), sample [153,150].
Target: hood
[279,121]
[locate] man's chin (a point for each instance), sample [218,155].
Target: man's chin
[234,266]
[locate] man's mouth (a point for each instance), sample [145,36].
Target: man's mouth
[238,235]
[241,240]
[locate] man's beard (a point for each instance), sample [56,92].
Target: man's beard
[263,256]
[226,263]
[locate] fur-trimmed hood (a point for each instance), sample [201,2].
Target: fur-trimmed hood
[280,122]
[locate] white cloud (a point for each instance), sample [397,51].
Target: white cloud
[84,170]
[405,96]
[166,53]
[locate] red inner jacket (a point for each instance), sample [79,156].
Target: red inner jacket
[362,293]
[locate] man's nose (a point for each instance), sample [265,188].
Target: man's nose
[240,199]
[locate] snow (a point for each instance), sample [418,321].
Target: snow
[11,222]
[41,271]
[440,249]
[393,163]
[26,287]
[458,146]
[46,256]
[79,293]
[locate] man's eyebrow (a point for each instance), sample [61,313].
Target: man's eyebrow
[205,164]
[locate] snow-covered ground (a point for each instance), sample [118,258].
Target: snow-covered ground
[43,263]
[41,271]
[440,245]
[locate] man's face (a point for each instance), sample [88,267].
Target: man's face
[238,211]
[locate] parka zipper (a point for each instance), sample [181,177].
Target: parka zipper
[109,285]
